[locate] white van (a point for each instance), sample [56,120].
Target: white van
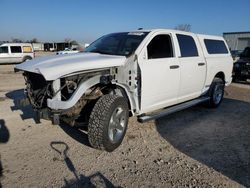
[16,52]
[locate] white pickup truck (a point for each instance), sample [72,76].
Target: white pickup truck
[144,73]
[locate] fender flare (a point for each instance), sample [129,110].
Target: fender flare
[131,101]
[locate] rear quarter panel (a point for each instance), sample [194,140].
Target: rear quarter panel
[217,62]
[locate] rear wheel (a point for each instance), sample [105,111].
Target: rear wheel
[27,58]
[216,92]
[108,122]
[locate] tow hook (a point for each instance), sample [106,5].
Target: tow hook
[55,119]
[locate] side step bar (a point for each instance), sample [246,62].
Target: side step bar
[172,109]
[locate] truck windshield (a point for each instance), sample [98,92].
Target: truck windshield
[123,44]
[246,52]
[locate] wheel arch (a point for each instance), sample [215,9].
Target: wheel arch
[26,57]
[118,89]
[125,93]
[220,75]
[92,82]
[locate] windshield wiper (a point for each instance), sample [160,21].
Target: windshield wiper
[101,52]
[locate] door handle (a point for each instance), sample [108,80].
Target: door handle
[174,66]
[201,64]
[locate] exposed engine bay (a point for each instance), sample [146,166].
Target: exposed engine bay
[38,90]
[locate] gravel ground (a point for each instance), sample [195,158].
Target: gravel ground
[197,147]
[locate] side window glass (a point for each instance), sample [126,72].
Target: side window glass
[187,45]
[160,47]
[4,49]
[215,46]
[15,49]
[27,49]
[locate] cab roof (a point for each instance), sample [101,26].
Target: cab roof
[179,31]
[16,44]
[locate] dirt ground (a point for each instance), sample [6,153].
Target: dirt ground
[198,147]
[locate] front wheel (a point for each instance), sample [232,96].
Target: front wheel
[108,122]
[216,92]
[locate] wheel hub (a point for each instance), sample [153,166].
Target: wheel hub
[218,93]
[117,125]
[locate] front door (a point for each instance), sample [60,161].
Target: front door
[160,73]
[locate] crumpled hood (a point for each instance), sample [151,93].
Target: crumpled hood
[56,66]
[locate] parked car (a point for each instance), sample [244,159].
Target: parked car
[16,52]
[241,69]
[67,51]
[236,54]
[146,73]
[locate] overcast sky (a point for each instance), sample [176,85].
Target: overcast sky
[55,20]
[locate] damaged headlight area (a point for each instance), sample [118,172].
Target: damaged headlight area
[38,91]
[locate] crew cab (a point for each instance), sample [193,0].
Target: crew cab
[144,73]
[16,52]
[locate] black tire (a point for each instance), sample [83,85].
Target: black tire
[244,79]
[234,79]
[216,93]
[26,58]
[102,119]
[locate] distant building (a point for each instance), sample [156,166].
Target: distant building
[237,40]
[38,46]
[49,46]
[58,46]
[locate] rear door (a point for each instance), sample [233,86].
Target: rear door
[16,54]
[160,73]
[192,66]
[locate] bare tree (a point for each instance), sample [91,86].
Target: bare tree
[183,27]
[67,40]
[73,42]
[34,40]
[16,40]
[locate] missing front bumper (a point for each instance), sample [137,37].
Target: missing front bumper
[44,113]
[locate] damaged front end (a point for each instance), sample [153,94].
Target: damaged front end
[37,91]
[68,99]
